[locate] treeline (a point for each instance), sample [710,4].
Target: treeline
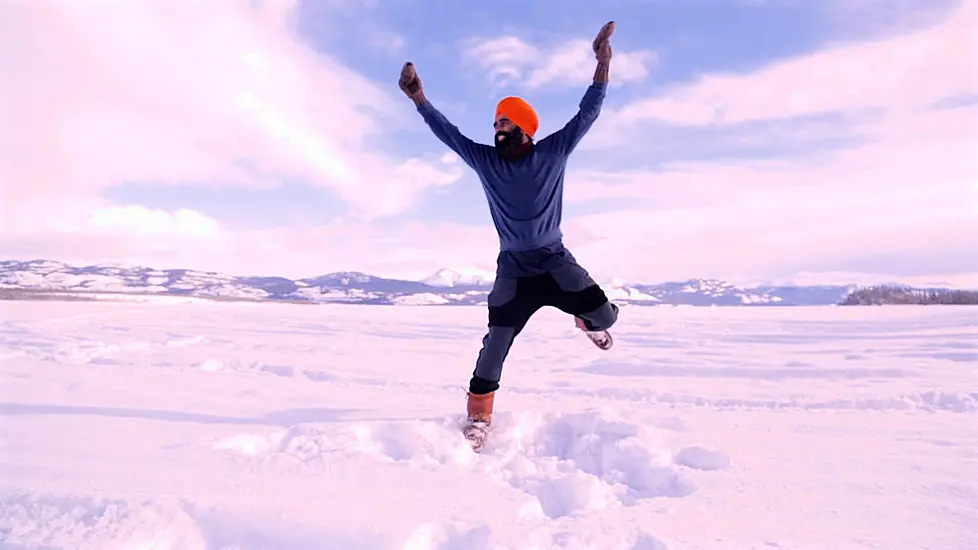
[901,295]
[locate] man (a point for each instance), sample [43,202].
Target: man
[523,181]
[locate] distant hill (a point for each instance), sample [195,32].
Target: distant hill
[40,279]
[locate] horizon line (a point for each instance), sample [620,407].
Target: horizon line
[123,265]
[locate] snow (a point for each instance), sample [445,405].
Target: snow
[423,298]
[633,294]
[447,277]
[135,425]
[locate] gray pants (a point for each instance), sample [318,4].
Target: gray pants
[513,301]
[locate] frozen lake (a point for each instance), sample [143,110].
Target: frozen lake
[177,425]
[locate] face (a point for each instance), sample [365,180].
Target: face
[508,135]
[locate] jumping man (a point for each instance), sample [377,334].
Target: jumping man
[524,181]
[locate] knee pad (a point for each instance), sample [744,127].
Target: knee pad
[602,318]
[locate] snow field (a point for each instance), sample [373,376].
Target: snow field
[568,463]
[246,426]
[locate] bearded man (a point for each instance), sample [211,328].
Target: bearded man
[523,181]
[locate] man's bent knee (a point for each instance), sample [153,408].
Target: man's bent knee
[602,318]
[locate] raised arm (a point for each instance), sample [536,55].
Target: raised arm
[567,138]
[449,134]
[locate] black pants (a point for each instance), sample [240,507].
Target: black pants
[513,301]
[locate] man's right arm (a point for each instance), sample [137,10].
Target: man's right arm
[471,152]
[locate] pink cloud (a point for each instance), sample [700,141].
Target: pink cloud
[908,189]
[902,72]
[101,97]
[748,237]
[99,232]
[510,59]
[97,95]
[911,192]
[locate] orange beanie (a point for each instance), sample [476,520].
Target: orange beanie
[520,113]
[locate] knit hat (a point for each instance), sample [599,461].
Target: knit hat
[520,113]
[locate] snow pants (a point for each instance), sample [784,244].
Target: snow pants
[513,301]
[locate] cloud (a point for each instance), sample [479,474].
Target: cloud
[183,238]
[905,202]
[99,232]
[897,192]
[141,222]
[410,178]
[739,222]
[901,72]
[103,97]
[99,95]
[786,229]
[510,60]
[753,240]
[913,150]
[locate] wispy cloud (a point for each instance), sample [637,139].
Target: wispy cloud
[901,72]
[830,161]
[185,238]
[705,225]
[510,60]
[904,185]
[230,95]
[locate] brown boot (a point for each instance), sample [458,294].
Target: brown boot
[480,416]
[480,407]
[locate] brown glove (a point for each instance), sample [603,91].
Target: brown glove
[602,42]
[410,82]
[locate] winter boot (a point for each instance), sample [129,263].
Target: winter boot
[479,411]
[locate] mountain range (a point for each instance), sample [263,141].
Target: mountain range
[51,279]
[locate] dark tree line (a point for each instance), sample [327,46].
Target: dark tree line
[902,295]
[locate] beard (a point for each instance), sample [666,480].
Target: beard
[507,142]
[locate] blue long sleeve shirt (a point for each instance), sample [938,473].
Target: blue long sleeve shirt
[525,195]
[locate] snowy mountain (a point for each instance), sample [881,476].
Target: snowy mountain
[50,279]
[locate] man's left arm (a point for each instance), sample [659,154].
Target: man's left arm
[567,138]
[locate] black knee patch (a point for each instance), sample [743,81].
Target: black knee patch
[592,298]
[601,318]
[512,314]
[583,302]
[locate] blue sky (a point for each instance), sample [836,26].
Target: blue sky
[747,140]
[697,39]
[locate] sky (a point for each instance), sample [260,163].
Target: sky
[747,140]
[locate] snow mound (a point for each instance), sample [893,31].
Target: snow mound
[569,463]
[448,536]
[577,462]
[456,535]
[35,521]
[29,521]
[699,458]
[573,540]
[414,443]
[424,298]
